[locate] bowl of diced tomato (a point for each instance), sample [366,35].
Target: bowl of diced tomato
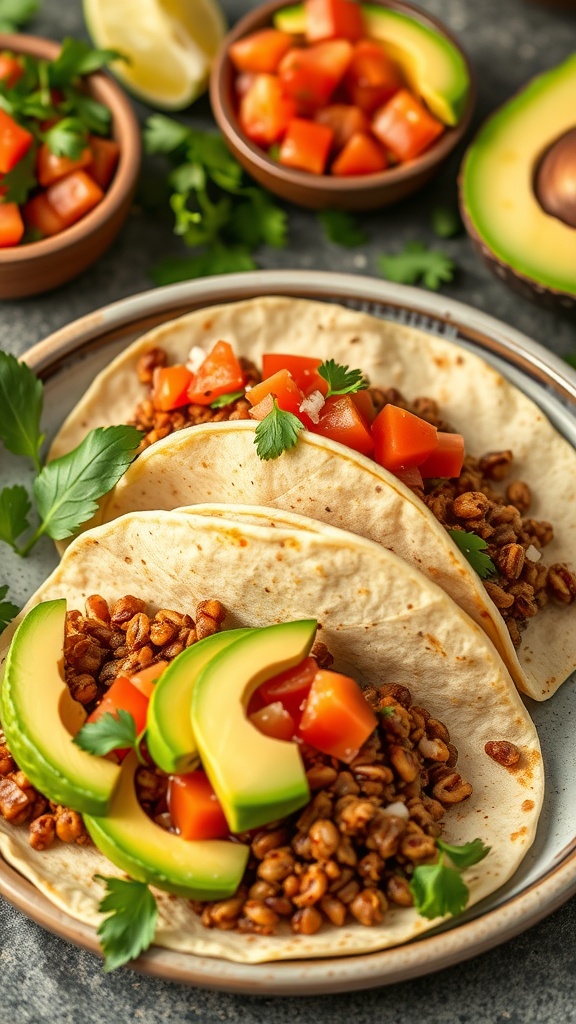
[338,103]
[69,161]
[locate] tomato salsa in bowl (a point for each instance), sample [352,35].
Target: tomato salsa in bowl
[334,103]
[42,249]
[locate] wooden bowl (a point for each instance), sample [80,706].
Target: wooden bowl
[366,192]
[38,266]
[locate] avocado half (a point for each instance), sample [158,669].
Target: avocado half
[503,195]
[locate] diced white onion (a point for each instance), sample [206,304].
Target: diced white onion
[312,405]
[399,810]
[533,554]
[196,357]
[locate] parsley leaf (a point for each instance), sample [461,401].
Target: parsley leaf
[108,733]
[276,433]
[342,228]
[466,855]
[341,380]
[474,547]
[438,890]
[78,58]
[15,13]
[67,138]
[20,408]
[14,508]
[129,928]
[215,260]
[445,222]
[417,263]
[223,400]
[21,179]
[163,134]
[7,609]
[570,358]
[67,489]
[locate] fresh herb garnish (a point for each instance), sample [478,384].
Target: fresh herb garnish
[438,889]
[417,263]
[387,711]
[108,733]
[20,409]
[14,509]
[129,928]
[224,400]
[7,609]
[67,137]
[15,13]
[342,228]
[474,548]
[21,179]
[445,222]
[276,433]
[341,379]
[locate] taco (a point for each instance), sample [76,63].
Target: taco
[338,874]
[526,522]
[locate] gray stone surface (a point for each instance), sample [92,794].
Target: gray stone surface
[531,980]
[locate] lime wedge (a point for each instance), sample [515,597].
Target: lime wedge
[170,44]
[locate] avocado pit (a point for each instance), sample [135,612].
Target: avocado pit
[555,179]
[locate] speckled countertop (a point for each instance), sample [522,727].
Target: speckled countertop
[530,980]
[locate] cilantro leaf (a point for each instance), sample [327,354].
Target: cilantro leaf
[163,134]
[342,228]
[224,400]
[465,855]
[214,260]
[474,547]
[129,928]
[341,379]
[445,222]
[108,733]
[67,138]
[438,890]
[386,711]
[7,609]
[570,358]
[78,58]
[21,179]
[15,13]
[276,433]
[67,490]
[20,408]
[14,508]
[417,263]
[94,116]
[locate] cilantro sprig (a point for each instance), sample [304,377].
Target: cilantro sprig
[15,13]
[438,889]
[474,548]
[223,400]
[341,379]
[109,732]
[415,264]
[7,609]
[342,228]
[131,922]
[276,433]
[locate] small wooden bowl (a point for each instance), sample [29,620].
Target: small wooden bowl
[38,266]
[366,192]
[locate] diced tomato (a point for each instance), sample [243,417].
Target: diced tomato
[337,718]
[283,387]
[260,51]
[11,225]
[371,78]
[363,402]
[344,120]
[74,196]
[291,687]
[402,439]
[361,155]
[306,146]
[195,808]
[50,167]
[219,374]
[273,720]
[310,76]
[123,696]
[146,679]
[265,111]
[303,369]
[410,476]
[15,142]
[105,157]
[244,82]
[448,458]
[170,387]
[11,70]
[405,127]
[333,19]
[39,214]
[341,421]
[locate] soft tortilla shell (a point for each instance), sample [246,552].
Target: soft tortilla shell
[381,619]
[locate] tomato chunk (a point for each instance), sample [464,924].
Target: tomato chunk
[74,196]
[291,687]
[303,370]
[363,402]
[260,51]
[195,808]
[105,157]
[283,387]
[371,78]
[274,720]
[11,225]
[448,458]
[147,677]
[123,696]
[337,718]
[265,111]
[39,214]
[345,121]
[333,19]
[402,439]
[170,387]
[310,76]
[410,476]
[361,155]
[50,167]
[341,421]
[306,146]
[219,374]
[15,142]
[405,127]
[11,70]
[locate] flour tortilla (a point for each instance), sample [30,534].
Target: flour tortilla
[382,620]
[334,484]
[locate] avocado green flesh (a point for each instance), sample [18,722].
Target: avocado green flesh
[169,733]
[256,778]
[200,870]
[497,181]
[38,713]
[434,68]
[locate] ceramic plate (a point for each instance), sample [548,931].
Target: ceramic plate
[68,361]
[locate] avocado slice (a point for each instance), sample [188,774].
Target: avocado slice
[198,870]
[257,779]
[520,240]
[39,717]
[432,65]
[169,734]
